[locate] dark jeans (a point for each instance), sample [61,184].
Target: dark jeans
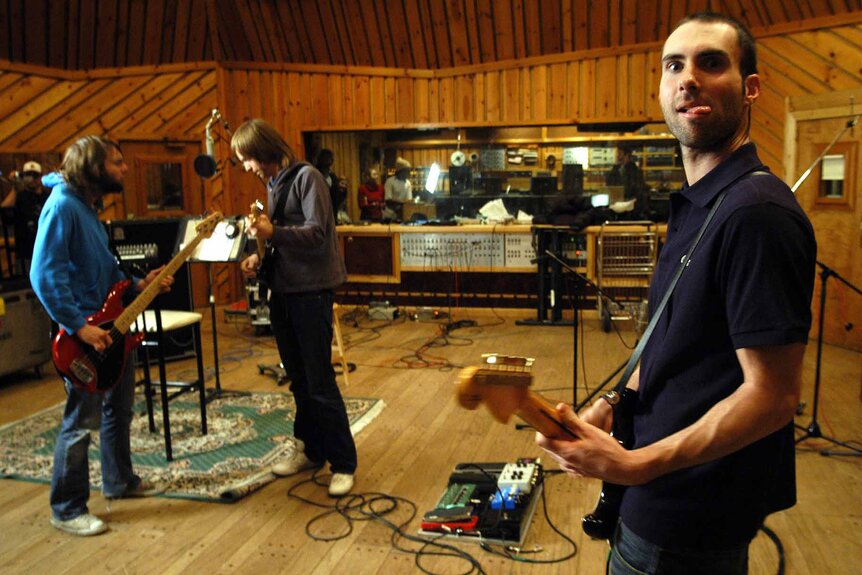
[302,325]
[634,555]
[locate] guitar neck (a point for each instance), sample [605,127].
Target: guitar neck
[261,248]
[137,307]
[539,413]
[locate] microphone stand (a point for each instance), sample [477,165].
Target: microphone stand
[813,429]
[599,293]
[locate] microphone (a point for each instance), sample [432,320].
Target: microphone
[205,164]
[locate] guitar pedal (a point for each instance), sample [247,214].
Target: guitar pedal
[520,477]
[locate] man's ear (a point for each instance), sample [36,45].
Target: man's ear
[752,88]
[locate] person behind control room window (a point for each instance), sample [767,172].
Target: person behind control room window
[719,379]
[398,188]
[371,196]
[337,186]
[632,181]
[307,267]
[73,270]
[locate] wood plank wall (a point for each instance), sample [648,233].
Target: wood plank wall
[42,110]
[415,34]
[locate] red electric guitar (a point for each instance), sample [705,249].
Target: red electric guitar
[94,371]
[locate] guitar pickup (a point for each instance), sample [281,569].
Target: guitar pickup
[82,371]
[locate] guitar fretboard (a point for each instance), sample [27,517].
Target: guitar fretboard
[137,307]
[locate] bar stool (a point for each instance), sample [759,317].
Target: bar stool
[160,322]
[338,349]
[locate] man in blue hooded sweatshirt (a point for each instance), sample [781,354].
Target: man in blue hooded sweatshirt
[72,271]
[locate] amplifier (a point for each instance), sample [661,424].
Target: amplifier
[25,332]
[150,243]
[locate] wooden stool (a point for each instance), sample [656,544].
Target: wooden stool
[338,348]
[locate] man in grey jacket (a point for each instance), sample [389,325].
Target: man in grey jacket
[306,267]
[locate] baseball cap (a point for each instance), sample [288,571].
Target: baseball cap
[32,166]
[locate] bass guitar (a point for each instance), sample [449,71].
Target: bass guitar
[503,384]
[265,269]
[95,371]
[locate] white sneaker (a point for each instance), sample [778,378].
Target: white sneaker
[299,462]
[83,525]
[340,484]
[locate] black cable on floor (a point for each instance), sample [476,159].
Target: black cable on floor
[778,547]
[515,554]
[374,506]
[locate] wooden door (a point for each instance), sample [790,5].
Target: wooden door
[161,183]
[831,198]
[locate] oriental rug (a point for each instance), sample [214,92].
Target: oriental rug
[246,435]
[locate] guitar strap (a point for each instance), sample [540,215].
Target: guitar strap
[636,355]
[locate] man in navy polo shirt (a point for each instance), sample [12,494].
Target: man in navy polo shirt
[719,380]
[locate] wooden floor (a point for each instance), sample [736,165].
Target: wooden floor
[408,451]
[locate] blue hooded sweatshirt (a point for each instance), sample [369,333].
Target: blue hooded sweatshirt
[73,268]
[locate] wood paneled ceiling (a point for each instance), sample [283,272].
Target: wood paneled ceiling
[423,34]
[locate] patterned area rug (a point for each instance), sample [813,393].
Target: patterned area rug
[246,435]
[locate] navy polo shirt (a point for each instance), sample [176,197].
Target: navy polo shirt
[749,283]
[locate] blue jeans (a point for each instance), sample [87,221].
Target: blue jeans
[109,413]
[302,325]
[634,555]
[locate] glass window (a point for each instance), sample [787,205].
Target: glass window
[164,186]
[832,176]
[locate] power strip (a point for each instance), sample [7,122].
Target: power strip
[517,477]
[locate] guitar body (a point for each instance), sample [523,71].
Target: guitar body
[265,252]
[87,368]
[266,269]
[601,523]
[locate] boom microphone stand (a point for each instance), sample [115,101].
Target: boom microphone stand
[813,429]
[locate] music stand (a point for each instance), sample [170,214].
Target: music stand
[225,245]
[813,429]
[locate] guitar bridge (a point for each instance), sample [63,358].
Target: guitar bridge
[82,371]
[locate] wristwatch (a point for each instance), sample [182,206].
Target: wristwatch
[612,397]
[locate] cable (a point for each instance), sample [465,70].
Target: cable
[778,547]
[513,553]
[375,506]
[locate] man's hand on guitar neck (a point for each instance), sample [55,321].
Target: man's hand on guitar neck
[164,286]
[259,226]
[594,454]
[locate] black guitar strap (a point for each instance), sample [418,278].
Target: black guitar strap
[636,355]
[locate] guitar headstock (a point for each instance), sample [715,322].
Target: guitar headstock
[256,208]
[207,226]
[501,382]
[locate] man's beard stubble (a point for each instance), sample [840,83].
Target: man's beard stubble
[108,185]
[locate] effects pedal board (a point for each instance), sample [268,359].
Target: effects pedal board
[492,502]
